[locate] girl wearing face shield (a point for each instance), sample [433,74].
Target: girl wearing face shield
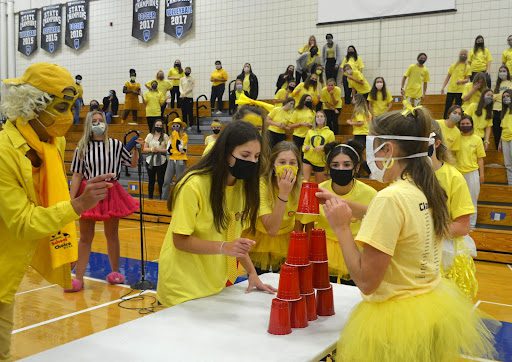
[406,304]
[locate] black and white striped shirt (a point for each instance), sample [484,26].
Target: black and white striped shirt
[97,161]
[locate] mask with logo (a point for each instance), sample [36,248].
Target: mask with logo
[55,122]
[376,172]
[280,169]
[341,177]
[98,129]
[243,169]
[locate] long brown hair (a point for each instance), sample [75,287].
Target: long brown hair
[481,105]
[215,164]
[443,154]
[419,169]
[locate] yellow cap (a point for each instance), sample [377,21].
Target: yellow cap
[180,122]
[216,124]
[50,78]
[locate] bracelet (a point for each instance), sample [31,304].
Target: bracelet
[486,142]
[282,199]
[220,249]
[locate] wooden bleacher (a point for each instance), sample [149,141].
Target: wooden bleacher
[493,237]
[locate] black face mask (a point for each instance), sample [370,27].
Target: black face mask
[187,73]
[94,107]
[466,129]
[351,54]
[243,169]
[158,129]
[308,104]
[291,88]
[216,131]
[430,150]
[313,52]
[313,82]
[342,177]
[422,61]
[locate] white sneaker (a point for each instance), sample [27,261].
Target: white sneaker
[218,112]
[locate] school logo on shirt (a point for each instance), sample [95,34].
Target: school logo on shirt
[317,140]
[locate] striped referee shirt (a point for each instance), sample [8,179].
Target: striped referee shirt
[98,161]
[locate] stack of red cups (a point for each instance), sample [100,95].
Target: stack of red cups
[321,282]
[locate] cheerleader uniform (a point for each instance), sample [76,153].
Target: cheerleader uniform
[414,314]
[99,160]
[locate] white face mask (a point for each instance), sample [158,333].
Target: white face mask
[376,172]
[98,129]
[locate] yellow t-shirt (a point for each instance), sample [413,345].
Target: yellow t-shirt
[304,115]
[360,88]
[208,147]
[360,193]
[174,72]
[326,97]
[175,152]
[355,64]
[299,91]
[79,90]
[246,84]
[163,85]
[183,276]
[209,139]
[417,76]
[471,149]
[399,223]
[317,137]
[279,115]
[153,100]
[131,100]
[506,58]
[475,98]
[458,71]
[267,206]
[281,94]
[506,125]
[330,52]
[380,105]
[304,48]
[360,130]
[479,60]
[479,122]
[459,199]
[219,74]
[504,85]
[451,136]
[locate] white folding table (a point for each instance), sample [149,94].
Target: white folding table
[229,326]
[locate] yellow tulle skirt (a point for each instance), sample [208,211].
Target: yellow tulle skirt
[270,251]
[458,265]
[337,266]
[437,326]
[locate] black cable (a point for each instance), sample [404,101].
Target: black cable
[139,297]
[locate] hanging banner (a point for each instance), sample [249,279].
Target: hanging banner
[77,14]
[51,28]
[178,17]
[145,19]
[27,32]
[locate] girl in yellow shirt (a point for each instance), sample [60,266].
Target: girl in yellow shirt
[408,312]
[280,184]
[174,75]
[131,89]
[277,122]
[480,59]
[211,206]
[505,144]
[313,148]
[303,119]
[502,83]
[307,87]
[379,99]
[361,119]
[153,100]
[284,93]
[448,126]
[481,113]
[473,90]
[356,81]
[330,96]
[177,149]
[356,63]
[458,247]
[458,75]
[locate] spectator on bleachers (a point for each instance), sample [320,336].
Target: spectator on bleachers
[417,76]
[79,102]
[356,63]
[506,136]
[320,84]
[332,57]
[187,84]
[277,122]
[235,95]
[285,78]
[174,75]
[307,87]
[219,77]
[502,84]
[506,56]
[249,81]
[379,99]
[216,127]
[330,97]
[153,99]
[305,63]
[110,105]
[94,105]
[155,148]
[306,47]
[481,114]
[448,126]
[480,59]
[303,119]
[132,91]
[313,148]
[360,120]
[284,93]
[177,150]
[356,82]
[458,75]
[164,86]
[472,90]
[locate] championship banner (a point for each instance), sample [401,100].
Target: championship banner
[27,32]
[178,17]
[51,28]
[145,19]
[77,14]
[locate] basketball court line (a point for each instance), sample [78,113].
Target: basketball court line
[509,266]
[35,290]
[477,359]
[495,303]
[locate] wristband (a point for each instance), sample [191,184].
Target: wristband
[221,245]
[285,201]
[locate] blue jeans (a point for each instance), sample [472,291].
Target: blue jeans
[108,117]
[76,110]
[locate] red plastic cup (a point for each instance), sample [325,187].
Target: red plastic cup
[321,275]
[288,283]
[279,322]
[324,302]
[310,305]
[318,246]
[298,249]
[306,279]
[308,203]
[299,313]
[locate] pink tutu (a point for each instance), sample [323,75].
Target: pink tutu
[118,203]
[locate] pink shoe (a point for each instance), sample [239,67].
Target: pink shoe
[76,286]
[115,278]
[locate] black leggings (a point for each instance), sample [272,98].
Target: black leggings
[496,127]
[274,138]
[217,93]
[450,98]
[330,68]
[332,119]
[159,172]
[347,90]
[187,110]
[299,141]
[175,94]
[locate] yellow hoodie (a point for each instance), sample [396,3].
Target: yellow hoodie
[314,138]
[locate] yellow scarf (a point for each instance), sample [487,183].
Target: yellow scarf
[55,252]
